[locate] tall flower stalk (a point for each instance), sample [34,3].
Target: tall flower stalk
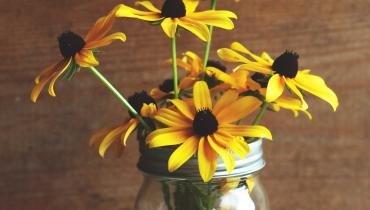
[208,44]
[174,68]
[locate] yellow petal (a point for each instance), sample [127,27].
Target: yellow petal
[289,103]
[246,130]
[56,77]
[125,11]
[226,157]
[190,5]
[291,85]
[109,139]
[195,61]
[102,26]
[184,108]
[316,86]
[226,99]
[215,18]
[106,40]
[130,127]
[85,58]
[169,26]
[236,144]
[46,73]
[97,138]
[267,57]
[238,109]
[202,96]
[275,88]
[207,159]
[254,67]
[172,118]
[187,82]
[148,5]
[232,56]
[183,153]
[197,28]
[45,77]
[250,183]
[220,75]
[168,136]
[239,47]
[239,147]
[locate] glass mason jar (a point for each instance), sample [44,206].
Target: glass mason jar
[184,190]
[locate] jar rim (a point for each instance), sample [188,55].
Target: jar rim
[153,163]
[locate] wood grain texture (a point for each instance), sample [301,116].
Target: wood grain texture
[44,158]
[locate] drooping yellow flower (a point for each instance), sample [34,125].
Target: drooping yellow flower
[118,135]
[240,81]
[176,13]
[283,71]
[206,129]
[77,52]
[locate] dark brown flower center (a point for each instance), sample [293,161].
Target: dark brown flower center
[137,101]
[204,123]
[166,86]
[173,9]
[286,64]
[70,44]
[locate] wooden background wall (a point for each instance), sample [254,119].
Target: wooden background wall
[45,162]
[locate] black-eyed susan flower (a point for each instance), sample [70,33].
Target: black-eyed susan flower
[77,52]
[283,71]
[117,136]
[206,129]
[181,13]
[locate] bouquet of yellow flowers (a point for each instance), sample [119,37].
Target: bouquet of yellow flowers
[198,120]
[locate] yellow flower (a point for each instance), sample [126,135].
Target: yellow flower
[209,130]
[236,80]
[118,135]
[180,13]
[283,71]
[77,52]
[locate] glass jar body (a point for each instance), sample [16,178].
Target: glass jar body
[237,193]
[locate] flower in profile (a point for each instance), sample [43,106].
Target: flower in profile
[180,13]
[283,71]
[200,127]
[77,52]
[117,136]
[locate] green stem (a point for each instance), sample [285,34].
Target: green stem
[174,68]
[208,45]
[115,92]
[258,118]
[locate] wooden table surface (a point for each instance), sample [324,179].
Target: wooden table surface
[45,162]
